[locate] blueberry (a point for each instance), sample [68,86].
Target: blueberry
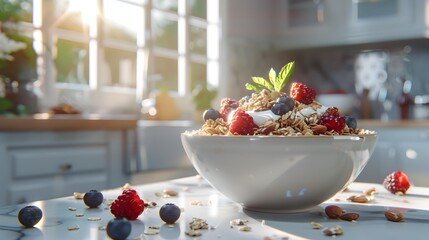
[30,216]
[351,122]
[283,105]
[169,213]
[211,114]
[282,99]
[93,198]
[118,228]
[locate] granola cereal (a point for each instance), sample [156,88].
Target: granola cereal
[277,113]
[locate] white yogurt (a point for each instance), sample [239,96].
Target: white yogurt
[305,112]
[259,118]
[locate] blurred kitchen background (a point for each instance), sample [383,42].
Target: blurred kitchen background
[160,63]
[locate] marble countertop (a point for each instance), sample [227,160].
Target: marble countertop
[198,200]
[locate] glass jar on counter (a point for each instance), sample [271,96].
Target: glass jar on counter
[421,107]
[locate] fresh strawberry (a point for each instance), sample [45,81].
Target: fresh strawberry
[397,182]
[332,120]
[226,106]
[128,205]
[302,93]
[242,123]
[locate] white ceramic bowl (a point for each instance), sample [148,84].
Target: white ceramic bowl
[279,174]
[344,102]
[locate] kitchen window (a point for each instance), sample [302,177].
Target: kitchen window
[128,48]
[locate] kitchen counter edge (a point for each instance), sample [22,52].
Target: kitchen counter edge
[67,123]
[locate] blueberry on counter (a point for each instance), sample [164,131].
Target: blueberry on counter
[30,216]
[93,198]
[169,213]
[118,228]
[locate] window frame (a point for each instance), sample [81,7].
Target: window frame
[144,49]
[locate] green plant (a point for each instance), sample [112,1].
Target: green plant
[5,105]
[19,63]
[203,97]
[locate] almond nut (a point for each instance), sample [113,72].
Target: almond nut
[319,129]
[268,129]
[394,216]
[370,192]
[349,216]
[333,211]
[360,199]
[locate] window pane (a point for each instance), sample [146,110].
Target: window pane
[71,62]
[199,8]
[198,75]
[119,68]
[169,5]
[73,22]
[165,74]
[140,2]
[377,9]
[122,20]
[164,32]
[73,15]
[198,40]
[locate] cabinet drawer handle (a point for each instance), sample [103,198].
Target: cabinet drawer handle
[66,167]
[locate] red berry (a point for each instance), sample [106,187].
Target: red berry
[302,93]
[242,123]
[397,182]
[332,120]
[226,105]
[128,205]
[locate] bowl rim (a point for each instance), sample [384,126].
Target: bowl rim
[190,134]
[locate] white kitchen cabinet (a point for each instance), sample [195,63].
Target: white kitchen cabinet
[308,23]
[319,23]
[403,149]
[47,164]
[385,20]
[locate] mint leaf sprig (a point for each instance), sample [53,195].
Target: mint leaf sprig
[275,83]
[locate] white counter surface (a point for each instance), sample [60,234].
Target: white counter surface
[198,199]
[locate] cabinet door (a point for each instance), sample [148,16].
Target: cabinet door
[309,23]
[385,20]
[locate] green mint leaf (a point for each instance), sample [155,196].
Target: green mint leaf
[272,76]
[253,87]
[262,82]
[275,83]
[284,76]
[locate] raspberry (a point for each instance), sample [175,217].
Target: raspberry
[302,93]
[226,105]
[127,205]
[397,182]
[332,120]
[242,123]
